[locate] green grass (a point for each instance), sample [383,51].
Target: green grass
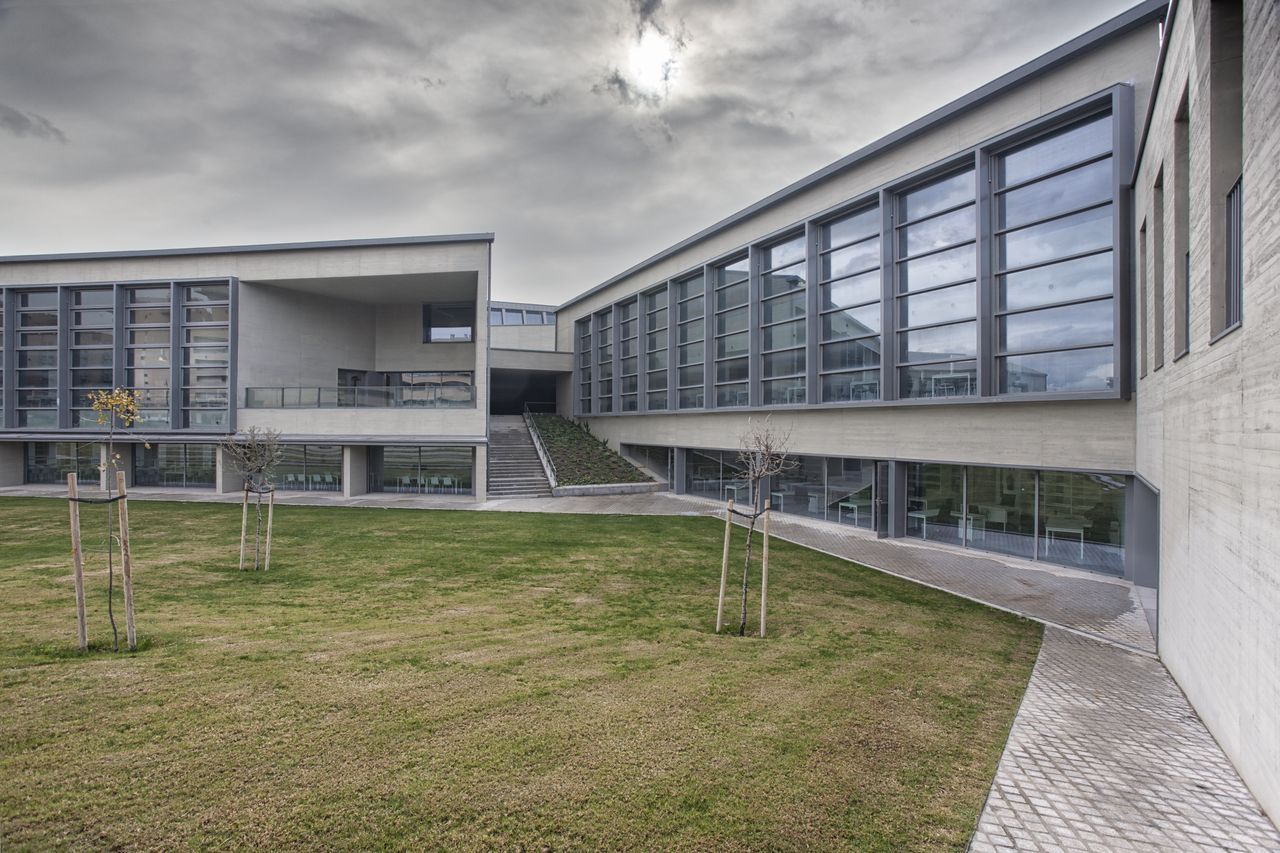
[580,458]
[475,680]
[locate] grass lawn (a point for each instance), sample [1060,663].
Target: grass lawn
[404,678]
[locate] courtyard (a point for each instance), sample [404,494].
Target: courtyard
[409,678]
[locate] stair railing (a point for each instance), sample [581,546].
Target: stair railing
[548,466]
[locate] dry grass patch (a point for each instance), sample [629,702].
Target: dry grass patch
[475,680]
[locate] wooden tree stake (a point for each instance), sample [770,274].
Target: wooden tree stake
[724,565]
[77,558]
[244,524]
[271,508]
[764,571]
[126,564]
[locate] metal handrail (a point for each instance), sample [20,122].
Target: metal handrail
[548,464]
[397,397]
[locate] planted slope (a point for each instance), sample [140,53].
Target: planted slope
[580,458]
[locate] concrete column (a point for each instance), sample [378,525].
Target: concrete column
[226,479]
[11,463]
[677,475]
[125,464]
[355,470]
[1142,533]
[480,475]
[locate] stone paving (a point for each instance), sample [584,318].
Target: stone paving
[1105,752]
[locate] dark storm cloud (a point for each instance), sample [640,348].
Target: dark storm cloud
[29,124]
[193,123]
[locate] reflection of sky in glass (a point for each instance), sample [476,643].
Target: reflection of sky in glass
[1069,191]
[735,271]
[862,224]
[1074,370]
[852,291]
[783,363]
[1061,282]
[1070,325]
[946,230]
[851,259]
[953,265]
[1068,236]
[939,195]
[783,280]
[936,306]
[784,253]
[1063,149]
[940,342]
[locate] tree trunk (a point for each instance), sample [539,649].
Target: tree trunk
[257,534]
[746,575]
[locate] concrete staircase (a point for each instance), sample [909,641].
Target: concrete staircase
[514,468]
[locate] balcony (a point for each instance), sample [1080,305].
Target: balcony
[447,396]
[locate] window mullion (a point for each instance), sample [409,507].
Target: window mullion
[986,325]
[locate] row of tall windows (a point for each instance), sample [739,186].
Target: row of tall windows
[1034,314]
[71,342]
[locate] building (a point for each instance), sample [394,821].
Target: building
[1033,322]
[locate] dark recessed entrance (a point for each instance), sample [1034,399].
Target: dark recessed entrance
[510,390]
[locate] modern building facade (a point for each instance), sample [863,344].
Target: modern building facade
[1033,322]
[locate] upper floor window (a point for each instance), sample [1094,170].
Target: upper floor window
[448,322]
[1055,311]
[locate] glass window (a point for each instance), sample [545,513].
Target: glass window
[310,467]
[1001,514]
[1081,142]
[448,323]
[1080,278]
[51,462]
[851,282]
[850,492]
[940,195]
[1073,370]
[949,379]
[495,316]
[422,470]
[1082,520]
[935,502]
[716,474]
[513,317]
[801,489]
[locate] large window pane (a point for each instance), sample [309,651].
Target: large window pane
[955,379]
[851,355]
[1072,190]
[1002,510]
[783,335]
[800,490]
[1072,370]
[780,281]
[938,306]
[851,322]
[851,259]
[1050,328]
[1082,520]
[851,387]
[940,342]
[856,226]
[1081,142]
[850,495]
[939,232]
[1076,234]
[1060,282]
[937,196]
[946,267]
[935,501]
[784,308]
[852,291]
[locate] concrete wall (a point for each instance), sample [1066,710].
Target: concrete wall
[292,338]
[427,423]
[1094,435]
[523,337]
[1126,59]
[1207,423]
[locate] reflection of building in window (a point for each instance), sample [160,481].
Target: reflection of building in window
[448,323]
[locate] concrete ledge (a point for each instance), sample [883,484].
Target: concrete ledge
[607,489]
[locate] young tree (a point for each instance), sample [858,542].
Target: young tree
[254,454]
[763,454]
[117,410]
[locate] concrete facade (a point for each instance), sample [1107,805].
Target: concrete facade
[300,314]
[1206,427]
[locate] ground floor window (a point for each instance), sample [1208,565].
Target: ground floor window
[310,467]
[421,469]
[1064,517]
[52,461]
[178,465]
[716,474]
[659,460]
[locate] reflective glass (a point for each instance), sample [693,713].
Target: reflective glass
[782,280]
[851,387]
[1078,188]
[945,230]
[851,323]
[938,306]
[851,354]
[1082,520]
[1081,232]
[1069,325]
[852,291]
[784,335]
[1060,282]
[935,502]
[939,342]
[937,196]
[733,321]
[856,226]
[1072,370]
[952,265]
[1001,511]
[784,392]
[784,254]
[783,308]
[730,346]
[1062,149]
[956,379]
[851,259]
[785,363]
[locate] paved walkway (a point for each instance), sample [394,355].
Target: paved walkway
[1105,752]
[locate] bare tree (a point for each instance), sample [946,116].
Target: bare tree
[254,454]
[763,454]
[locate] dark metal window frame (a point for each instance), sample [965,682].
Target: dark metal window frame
[1117,100]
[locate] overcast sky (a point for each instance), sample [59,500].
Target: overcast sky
[588,134]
